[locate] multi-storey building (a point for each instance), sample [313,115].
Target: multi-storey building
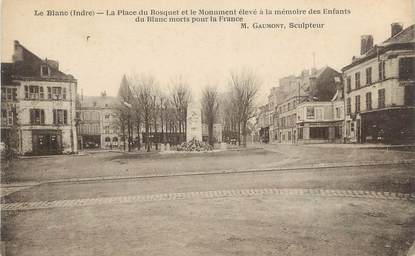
[379,89]
[321,121]
[304,111]
[264,123]
[98,125]
[38,104]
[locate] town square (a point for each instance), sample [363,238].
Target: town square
[294,136]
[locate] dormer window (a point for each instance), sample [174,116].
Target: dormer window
[44,70]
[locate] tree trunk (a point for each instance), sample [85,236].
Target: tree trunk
[129,134]
[138,134]
[123,134]
[210,132]
[147,134]
[244,132]
[239,134]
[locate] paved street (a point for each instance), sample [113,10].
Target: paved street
[264,200]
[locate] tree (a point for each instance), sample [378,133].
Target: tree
[180,97]
[144,88]
[124,110]
[244,86]
[210,106]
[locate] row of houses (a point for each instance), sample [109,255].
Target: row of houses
[371,100]
[42,112]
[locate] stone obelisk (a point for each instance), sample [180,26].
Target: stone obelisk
[194,121]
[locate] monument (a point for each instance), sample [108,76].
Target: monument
[194,122]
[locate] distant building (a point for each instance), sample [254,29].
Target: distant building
[380,89]
[303,108]
[98,125]
[38,101]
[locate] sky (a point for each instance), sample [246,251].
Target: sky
[99,50]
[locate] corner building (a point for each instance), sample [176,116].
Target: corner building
[38,101]
[379,90]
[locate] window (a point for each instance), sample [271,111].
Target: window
[60,116]
[56,93]
[357,80]
[64,93]
[107,139]
[310,112]
[107,116]
[338,112]
[368,76]
[381,98]
[357,103]
[106,129]
[37,116]
[32,92]
[9,94]
[406,68]
[319,132]
[349,84]
[26,92]
[289,135]
[6,117]
[349,106]
[41,93]
[409,95]
[338,132]
[381,68]
[368,101]
[44,70]
[319,113]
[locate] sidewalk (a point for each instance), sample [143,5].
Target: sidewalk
[343,146]
[365,146]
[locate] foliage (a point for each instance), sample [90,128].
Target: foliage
[194,145]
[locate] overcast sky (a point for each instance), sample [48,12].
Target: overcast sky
[201,53]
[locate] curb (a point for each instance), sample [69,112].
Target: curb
[205,195]
[221,172]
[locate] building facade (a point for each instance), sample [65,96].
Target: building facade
[379,90]
[309,108]
[38,105]
[98,125]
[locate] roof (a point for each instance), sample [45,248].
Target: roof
[402,40]
[98,101]
[27,65]
[6,73]
[405,36]
[323,78]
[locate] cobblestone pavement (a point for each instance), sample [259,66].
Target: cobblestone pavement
[206,195]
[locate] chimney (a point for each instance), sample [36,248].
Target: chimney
[396,28]
[53,63]
[18,52]
[366,43]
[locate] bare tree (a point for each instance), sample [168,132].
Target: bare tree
[244,86]
[144,88]
[180,97]
[124,111]
[229,116]
[210,106]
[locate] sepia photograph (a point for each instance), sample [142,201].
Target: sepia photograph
[191,127]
